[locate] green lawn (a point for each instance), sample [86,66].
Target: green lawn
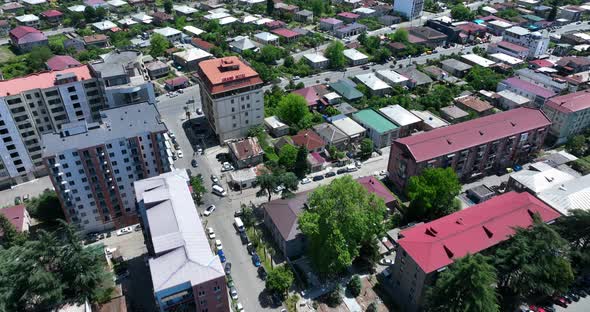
[5,53]
[582,165]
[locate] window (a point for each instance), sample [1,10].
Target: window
[201,293]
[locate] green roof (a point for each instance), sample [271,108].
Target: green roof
[533,18]
[346,89]
[372,119]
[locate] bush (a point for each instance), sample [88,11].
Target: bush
[334,298]
[372,307]
[355,286]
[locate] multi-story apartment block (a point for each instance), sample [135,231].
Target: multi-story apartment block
[232,97]
[410,9]
[472,148]
[569,114]
[186,274]
[36,104]
[426,249]
[124,78]
[537,42]
[93,165]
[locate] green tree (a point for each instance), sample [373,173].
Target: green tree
[334,53]
[366,148]
[198,187]
[343,217]
[289,61]
[554,8]
[301,165]
[432,194]
[575,228]
[46,207]
[400,35]
[334,297]
[269,181]
[467,285]
[279,280]
[270,54]
[158,45]
[101,13]
[577,145]
[168,6]
[481,78]
[38,57]
[288,157]
[89,14]
[355,286]
[381,55]
[270,7]
[180,22]
[461,13]
[533,263]
[10,236]
[317,7]
[119,39]
[55,270]
[293,110]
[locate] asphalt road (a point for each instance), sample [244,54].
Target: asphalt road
[244,274]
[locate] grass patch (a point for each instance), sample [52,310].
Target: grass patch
[5,53]
[582,165]
[291,303]
[57,39]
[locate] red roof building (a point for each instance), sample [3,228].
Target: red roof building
[428,248]
[18,216]
[25,37]
[309,139]
[571,110]
[40,80]
[374,186]
[61,62]
[176,83]
[226,74]
[202,44]
[286,33]
[52,14]
[275,24]
[312,94]
[472,148]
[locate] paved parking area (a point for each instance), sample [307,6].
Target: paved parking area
[581,306]
[33,188]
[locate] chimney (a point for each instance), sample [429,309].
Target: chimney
[459,221]
[448,251]
[488,232]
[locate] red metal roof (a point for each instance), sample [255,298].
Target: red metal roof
[21,31]
[454,138]
[542,63]
[61,62]
[52,13]
[228,73]
[309,139]
[175,82]
[511,46]
[349,15]
[375,186]
[40,80]
[570,103]
[16,216]
[284,32]
[438,243]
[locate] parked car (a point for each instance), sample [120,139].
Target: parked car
[256,260]
[305,180]
[244,238]
[233,293]
[26,198]
[239,307]
[330,174]
[214,179]
[209,210]
[199,111]
[574,296]
[228,268]
[194,163]
[560,301]
[250,248]
[199,151]
[341,171]
[221,255]
[218,245]
[226,167]
[124,231]
[386,261]
[318,178]
[279,189]
[262,273]
[180,154]
[210,233]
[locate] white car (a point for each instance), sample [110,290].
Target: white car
[234,293]
[209,210]
[210,233]
[386,261]
[171,135]
[218,245]
[180,154]
[305,180]
[239,307]
[200,151]
[125,230]
[279,189]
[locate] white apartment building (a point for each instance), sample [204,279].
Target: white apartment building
[93,166]
[569,114]
[232,96]
[410,9]
[36,104]
[124,78]
[537,42]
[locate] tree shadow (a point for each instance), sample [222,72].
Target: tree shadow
[199,132]
[266,299]
[138,286]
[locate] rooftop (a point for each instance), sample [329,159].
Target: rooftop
[61,62]
[15,215]
[570,103]
[541,179]
[95,38]
[312,94]
[476,59]
[121,122]
[284,32]
[374,120]
[438,243]
[518,31]
[284,214]
[512,46]
[228,73]
[530,87]
[416,76]
[332,133]
[274,122]
[349,127]
[391,77]
[245,148]
[193,30]
[474,103]
[454,112]
[116,63]
[309,139]
[315,58]
[193,54]
[354,54]
[456,64]
[266,36]
[374,186]
[442,141]
[167,31]
[430,119]
[514,97]
[40,80]
[372,82]
[399,115]
[175,228]
[347,89]
[573,194]
[331,20]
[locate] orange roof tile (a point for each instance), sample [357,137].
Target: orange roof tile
[228,73]
[40,80]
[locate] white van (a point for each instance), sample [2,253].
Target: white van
[218,190]
[239,224]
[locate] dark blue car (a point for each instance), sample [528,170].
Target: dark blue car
[221,256]
[256,260]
